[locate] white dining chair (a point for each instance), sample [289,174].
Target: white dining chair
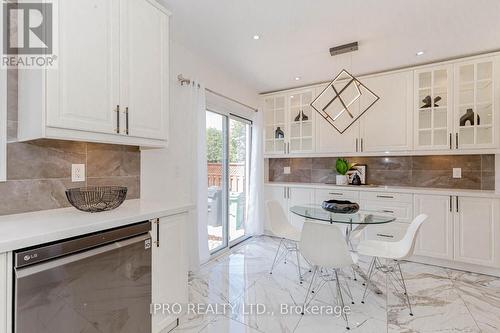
[325,248]
[290,235]
[392,252]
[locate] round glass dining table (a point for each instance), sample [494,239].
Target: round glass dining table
[360,220]
[317,213]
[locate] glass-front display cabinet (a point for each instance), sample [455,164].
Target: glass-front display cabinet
[475,103]
[301,121]
[275,131]
[433,110]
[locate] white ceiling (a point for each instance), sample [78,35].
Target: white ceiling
[297,34]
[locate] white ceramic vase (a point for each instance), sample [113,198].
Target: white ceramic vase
[342,180]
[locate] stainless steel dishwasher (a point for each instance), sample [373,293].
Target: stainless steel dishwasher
[99,282]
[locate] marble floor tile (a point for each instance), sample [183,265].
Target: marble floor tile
[443,300]
[268,318]
[437,306]
[217,325]
[481,295]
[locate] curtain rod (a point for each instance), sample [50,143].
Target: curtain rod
[183,81]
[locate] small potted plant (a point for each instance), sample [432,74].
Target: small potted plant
[342,166]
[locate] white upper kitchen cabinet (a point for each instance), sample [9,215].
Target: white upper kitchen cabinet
[300,121]
[477,231]
[477,102]
[433,115]
[275,132]
[435,237]
[82,93]
[329,140]
[387,125]
[289,122]
[111,80]
[144,69]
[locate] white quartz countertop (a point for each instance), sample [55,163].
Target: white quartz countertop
[395,189]
[28,229]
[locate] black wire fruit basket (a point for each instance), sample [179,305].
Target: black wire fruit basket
[96,198]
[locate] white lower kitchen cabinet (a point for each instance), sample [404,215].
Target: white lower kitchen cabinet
[4,294]
[169,267]
[289,196]
[477,231]
[322,194]
[387,232]
[461,229]
[435,238]
[299,196]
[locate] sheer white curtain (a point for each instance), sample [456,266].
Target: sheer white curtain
[255,225]
[199,241]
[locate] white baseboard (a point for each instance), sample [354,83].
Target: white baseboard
[457,265]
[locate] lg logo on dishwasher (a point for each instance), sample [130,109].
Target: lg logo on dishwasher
[29,257]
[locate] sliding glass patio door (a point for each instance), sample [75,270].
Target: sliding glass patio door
[228,165]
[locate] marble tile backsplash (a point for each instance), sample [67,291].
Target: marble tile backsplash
[39,172]
[478,171]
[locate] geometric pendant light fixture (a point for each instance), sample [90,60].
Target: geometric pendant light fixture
[343,101]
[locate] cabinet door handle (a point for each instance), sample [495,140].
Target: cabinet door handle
[284,192]
[385,196]
[451,147]
[288,190]
[457,204]
[117,130]
[451,203]
[126,120]
[386,236]
[361,145]
[387,211]
[157,222]
[288,145]
[336,193]
[456,140]
[356,145]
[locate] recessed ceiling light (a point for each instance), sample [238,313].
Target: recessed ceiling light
[419,53]
[256,37]
[297,78]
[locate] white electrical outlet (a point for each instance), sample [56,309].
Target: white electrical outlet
[77,172]
[457,172]
[287,170]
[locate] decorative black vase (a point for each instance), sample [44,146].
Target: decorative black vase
[340,206]
[356,180]
[469,117]
[297,118]
[304,117]
[279,134]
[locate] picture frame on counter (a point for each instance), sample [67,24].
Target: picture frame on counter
[360,170]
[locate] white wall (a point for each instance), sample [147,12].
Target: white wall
[166,174]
